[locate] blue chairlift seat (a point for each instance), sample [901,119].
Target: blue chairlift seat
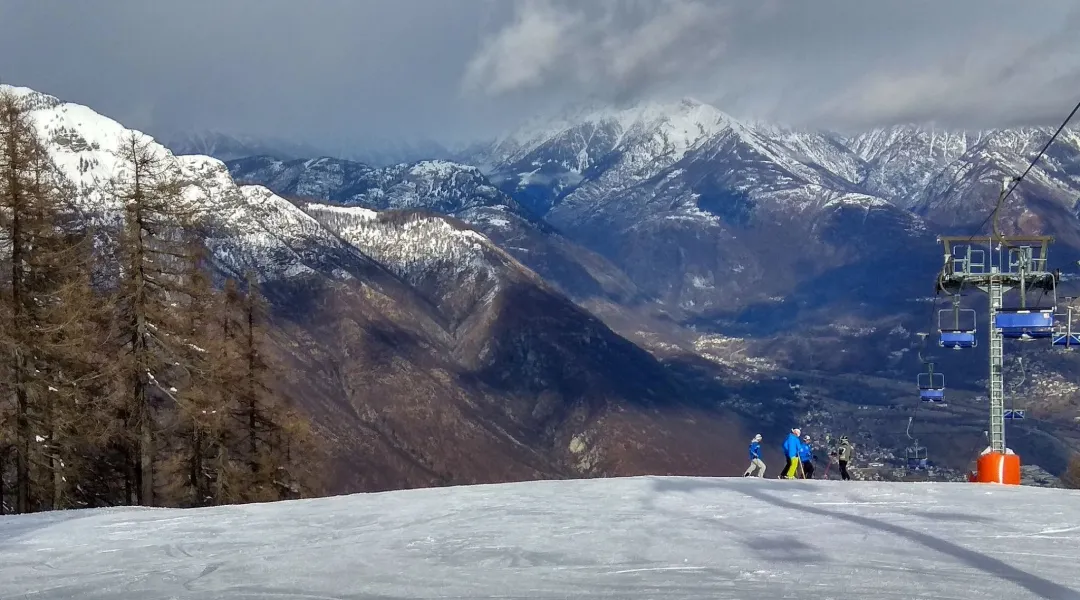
[957,340]
[932,388]
[1014,414]
[1025,324]
[917,463]
[931,395]
[916,456]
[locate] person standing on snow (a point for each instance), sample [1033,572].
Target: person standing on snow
[806,455]
[791,452]
[756,464]
[844,454]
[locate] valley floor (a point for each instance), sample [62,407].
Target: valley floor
[647,537]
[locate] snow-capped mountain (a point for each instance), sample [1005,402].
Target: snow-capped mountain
[896,164]
[438,185]
[450,189]
[816,246]
[425,352]
[415,296]
[810,247]
[683,196]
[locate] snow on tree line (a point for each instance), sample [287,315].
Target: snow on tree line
[126,378]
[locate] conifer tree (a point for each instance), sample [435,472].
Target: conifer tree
[153,272]
[125,377]
[45,302]
[280,456]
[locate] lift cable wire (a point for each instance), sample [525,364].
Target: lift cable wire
[1004,195]
[1016,180]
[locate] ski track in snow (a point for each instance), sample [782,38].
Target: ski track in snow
[647,537]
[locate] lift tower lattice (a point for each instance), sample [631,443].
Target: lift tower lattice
[998,264]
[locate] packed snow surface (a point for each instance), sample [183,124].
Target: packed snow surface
[650,537]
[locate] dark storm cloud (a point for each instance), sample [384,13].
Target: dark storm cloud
[349,70]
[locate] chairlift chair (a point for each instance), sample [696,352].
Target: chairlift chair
[1011,413]
[957,331]
[932,387]
[1066,335]
[1025,324]
[915,454]
[916,458]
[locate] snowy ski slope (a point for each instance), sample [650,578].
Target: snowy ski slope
[650,537]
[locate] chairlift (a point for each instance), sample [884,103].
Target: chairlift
[1029,323]
[915,454]
[932,386]
[956,327]
[1025,324]
[1066,334]
[916,458]
[1012,413]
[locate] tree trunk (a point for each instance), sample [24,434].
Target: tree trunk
[252,437]
[56,467]
[141,352]
[146,458]
[198,478]
[22,460]
[3,471]
[130,478]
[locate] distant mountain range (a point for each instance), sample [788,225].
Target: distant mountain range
[427,354]
[811,250]
[619,292]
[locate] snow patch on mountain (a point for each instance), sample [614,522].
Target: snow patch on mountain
[252,229]
[354,213]
[412,246]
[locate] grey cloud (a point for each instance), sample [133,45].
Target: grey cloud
[352,71]
[968,63]
[605,48]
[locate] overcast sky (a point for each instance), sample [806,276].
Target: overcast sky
[333,70]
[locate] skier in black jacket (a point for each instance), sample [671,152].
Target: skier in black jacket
[844,454]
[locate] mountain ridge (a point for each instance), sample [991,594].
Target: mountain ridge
[423,369]
[809,249]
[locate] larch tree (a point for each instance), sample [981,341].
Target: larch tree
[277,444]
[201,466]
[154,274]
[47,338]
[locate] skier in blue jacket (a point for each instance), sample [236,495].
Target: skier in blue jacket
[806,455]
[757,466]
[791,452]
